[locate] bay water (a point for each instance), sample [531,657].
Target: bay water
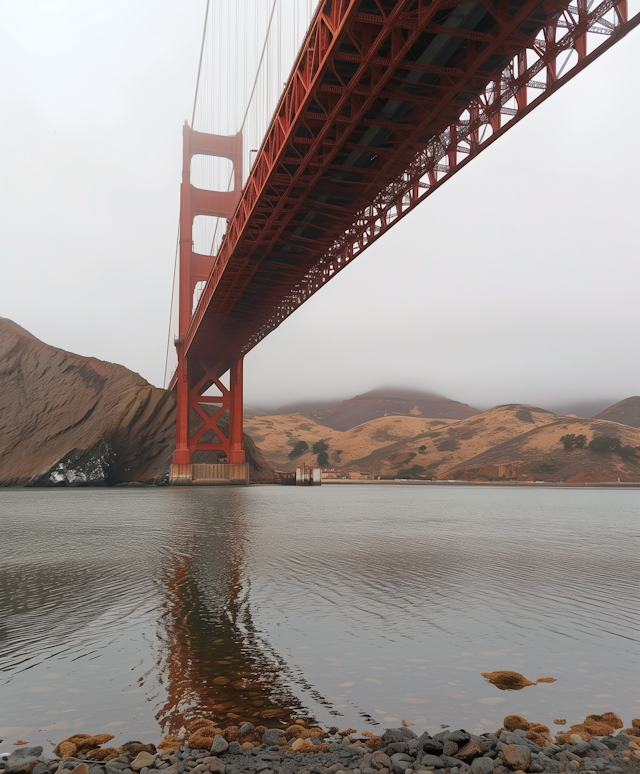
[131,610]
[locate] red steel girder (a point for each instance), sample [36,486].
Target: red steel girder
[333,109]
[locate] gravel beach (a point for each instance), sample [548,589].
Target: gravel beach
[396,751]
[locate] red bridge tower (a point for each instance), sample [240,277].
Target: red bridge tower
[195,375]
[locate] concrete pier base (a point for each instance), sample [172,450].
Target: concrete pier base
[221,473]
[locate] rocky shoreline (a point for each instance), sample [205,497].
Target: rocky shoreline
[310,750]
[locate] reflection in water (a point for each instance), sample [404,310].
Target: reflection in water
[212,660]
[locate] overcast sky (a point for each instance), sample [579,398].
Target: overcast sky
[519,281]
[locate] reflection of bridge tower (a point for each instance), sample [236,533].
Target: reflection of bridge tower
[212,661]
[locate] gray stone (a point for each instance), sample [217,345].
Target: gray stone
[482,766]
[508,737]
[219,745]
[432,760]
[245,728]
[449,747]
[460,737]
[22,757]
[428,744]
[396,747]
[41,768]
[397,735]
[380,760]
[234,748]
[271,736]
[581,748]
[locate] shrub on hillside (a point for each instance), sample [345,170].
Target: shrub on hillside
[320,446]
[605,443]
[300,447]
[572,441]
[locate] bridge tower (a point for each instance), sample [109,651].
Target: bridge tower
[195,374]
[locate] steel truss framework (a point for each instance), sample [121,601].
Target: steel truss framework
[308,209]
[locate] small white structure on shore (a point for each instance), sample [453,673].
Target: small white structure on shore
[308,476]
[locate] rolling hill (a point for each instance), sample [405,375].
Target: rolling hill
[66,419]
[625,412]
[506,442]
[388,401]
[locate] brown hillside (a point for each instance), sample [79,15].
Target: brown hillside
[626,412]
[391,402]
[438,449]
[387,445]
[539,455]
[277,435]
[67,419]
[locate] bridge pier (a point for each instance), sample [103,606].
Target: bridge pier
[205,423]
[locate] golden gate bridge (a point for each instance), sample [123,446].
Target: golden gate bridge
[384,102]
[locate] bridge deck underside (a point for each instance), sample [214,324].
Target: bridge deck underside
[376,81]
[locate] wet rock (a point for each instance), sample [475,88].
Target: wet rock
[460,737]
[507,737]
[271,736]
[487,742]
[41,768]
[482,766]
[472,749]
[518,756]
[430,745]
[219,745]
[21,758]
[380,760]
[432,760]
[396,747]
[506,680]
[234,748]
[580,748]
[397,735]
[142,760]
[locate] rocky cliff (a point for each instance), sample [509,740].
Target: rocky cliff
[72,420]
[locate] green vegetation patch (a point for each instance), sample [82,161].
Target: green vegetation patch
[300,447]
[320,446]
[572,441]
[524,415]
[609,443]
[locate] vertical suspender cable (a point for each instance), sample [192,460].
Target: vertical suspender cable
[204,35]
[253,91]
[175,262]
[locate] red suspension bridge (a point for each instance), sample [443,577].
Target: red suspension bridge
[386,100]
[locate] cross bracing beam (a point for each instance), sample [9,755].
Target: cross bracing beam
[387,99]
